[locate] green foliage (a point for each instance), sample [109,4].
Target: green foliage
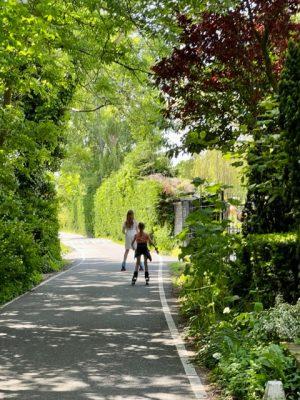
[224,277]
[267,208]
[267,265]
[245,372]
[281,322]
[42,61]
[28,227]
[127,125]
[19,263]
[207,253]
[125,190]
[244,353]
[213,166]
[95,151]
[72,210]
[289,100]
[273,157]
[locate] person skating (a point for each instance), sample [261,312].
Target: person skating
[130,229]
[142,239]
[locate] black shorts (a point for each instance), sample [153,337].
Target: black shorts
[142,250]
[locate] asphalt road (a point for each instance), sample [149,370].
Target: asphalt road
[88,334]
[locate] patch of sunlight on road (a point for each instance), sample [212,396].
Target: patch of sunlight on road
[163,341]
[31,380]
[91,308]
[151,357]
[108,284]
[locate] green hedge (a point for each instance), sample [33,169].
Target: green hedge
[72,196]
[19,261]
[29,244]
[72,218]
[121,192]
[268,265]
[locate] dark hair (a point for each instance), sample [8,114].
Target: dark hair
[141,226]
[129,219]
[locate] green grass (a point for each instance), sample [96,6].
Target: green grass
[176,268]
[65,249]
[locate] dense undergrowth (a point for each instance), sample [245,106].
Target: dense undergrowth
[233,292]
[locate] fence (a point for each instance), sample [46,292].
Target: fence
[183,207]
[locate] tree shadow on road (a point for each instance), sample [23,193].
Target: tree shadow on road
[89,334]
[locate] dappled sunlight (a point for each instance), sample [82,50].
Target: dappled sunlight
[86,332]
[57,381]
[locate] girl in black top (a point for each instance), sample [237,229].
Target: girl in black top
[142,239]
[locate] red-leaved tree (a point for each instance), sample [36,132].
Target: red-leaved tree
[225,64]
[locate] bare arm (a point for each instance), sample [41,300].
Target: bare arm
[152,243]
[134,239]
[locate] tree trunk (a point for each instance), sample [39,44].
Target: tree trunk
[7,96]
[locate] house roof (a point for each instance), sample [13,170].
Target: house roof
[174,186]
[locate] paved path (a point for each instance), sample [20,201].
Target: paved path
[88,334]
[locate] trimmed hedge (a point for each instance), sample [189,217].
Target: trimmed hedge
[268,265]
[121,192]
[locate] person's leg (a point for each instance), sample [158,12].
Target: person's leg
[146,270]
[138,263]
[141,265]
[124,260]
[125,256]
[146,263]
[135,273]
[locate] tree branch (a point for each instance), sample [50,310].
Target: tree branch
[133,69]
[263,42]
[267,59]
[87,110]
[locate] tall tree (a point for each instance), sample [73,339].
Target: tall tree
[289,106]
[273,157]
[224,65]
[213,166]
[47,50]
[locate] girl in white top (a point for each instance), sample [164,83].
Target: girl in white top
[130,229]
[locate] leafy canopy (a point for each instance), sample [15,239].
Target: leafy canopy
[225,63]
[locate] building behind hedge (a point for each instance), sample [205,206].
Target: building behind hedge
[150,197]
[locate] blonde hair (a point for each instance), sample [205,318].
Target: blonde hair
[129,219]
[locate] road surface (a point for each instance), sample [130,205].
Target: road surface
[88,334]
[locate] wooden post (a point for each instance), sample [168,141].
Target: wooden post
[274,391]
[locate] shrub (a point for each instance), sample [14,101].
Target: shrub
[207,252]
[245,372]
[267,266]
[123,191]
[281,322]
[29,242]
[19,261]
[244,351]
[72,195]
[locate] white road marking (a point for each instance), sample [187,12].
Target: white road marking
[190,371]
[194,379]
